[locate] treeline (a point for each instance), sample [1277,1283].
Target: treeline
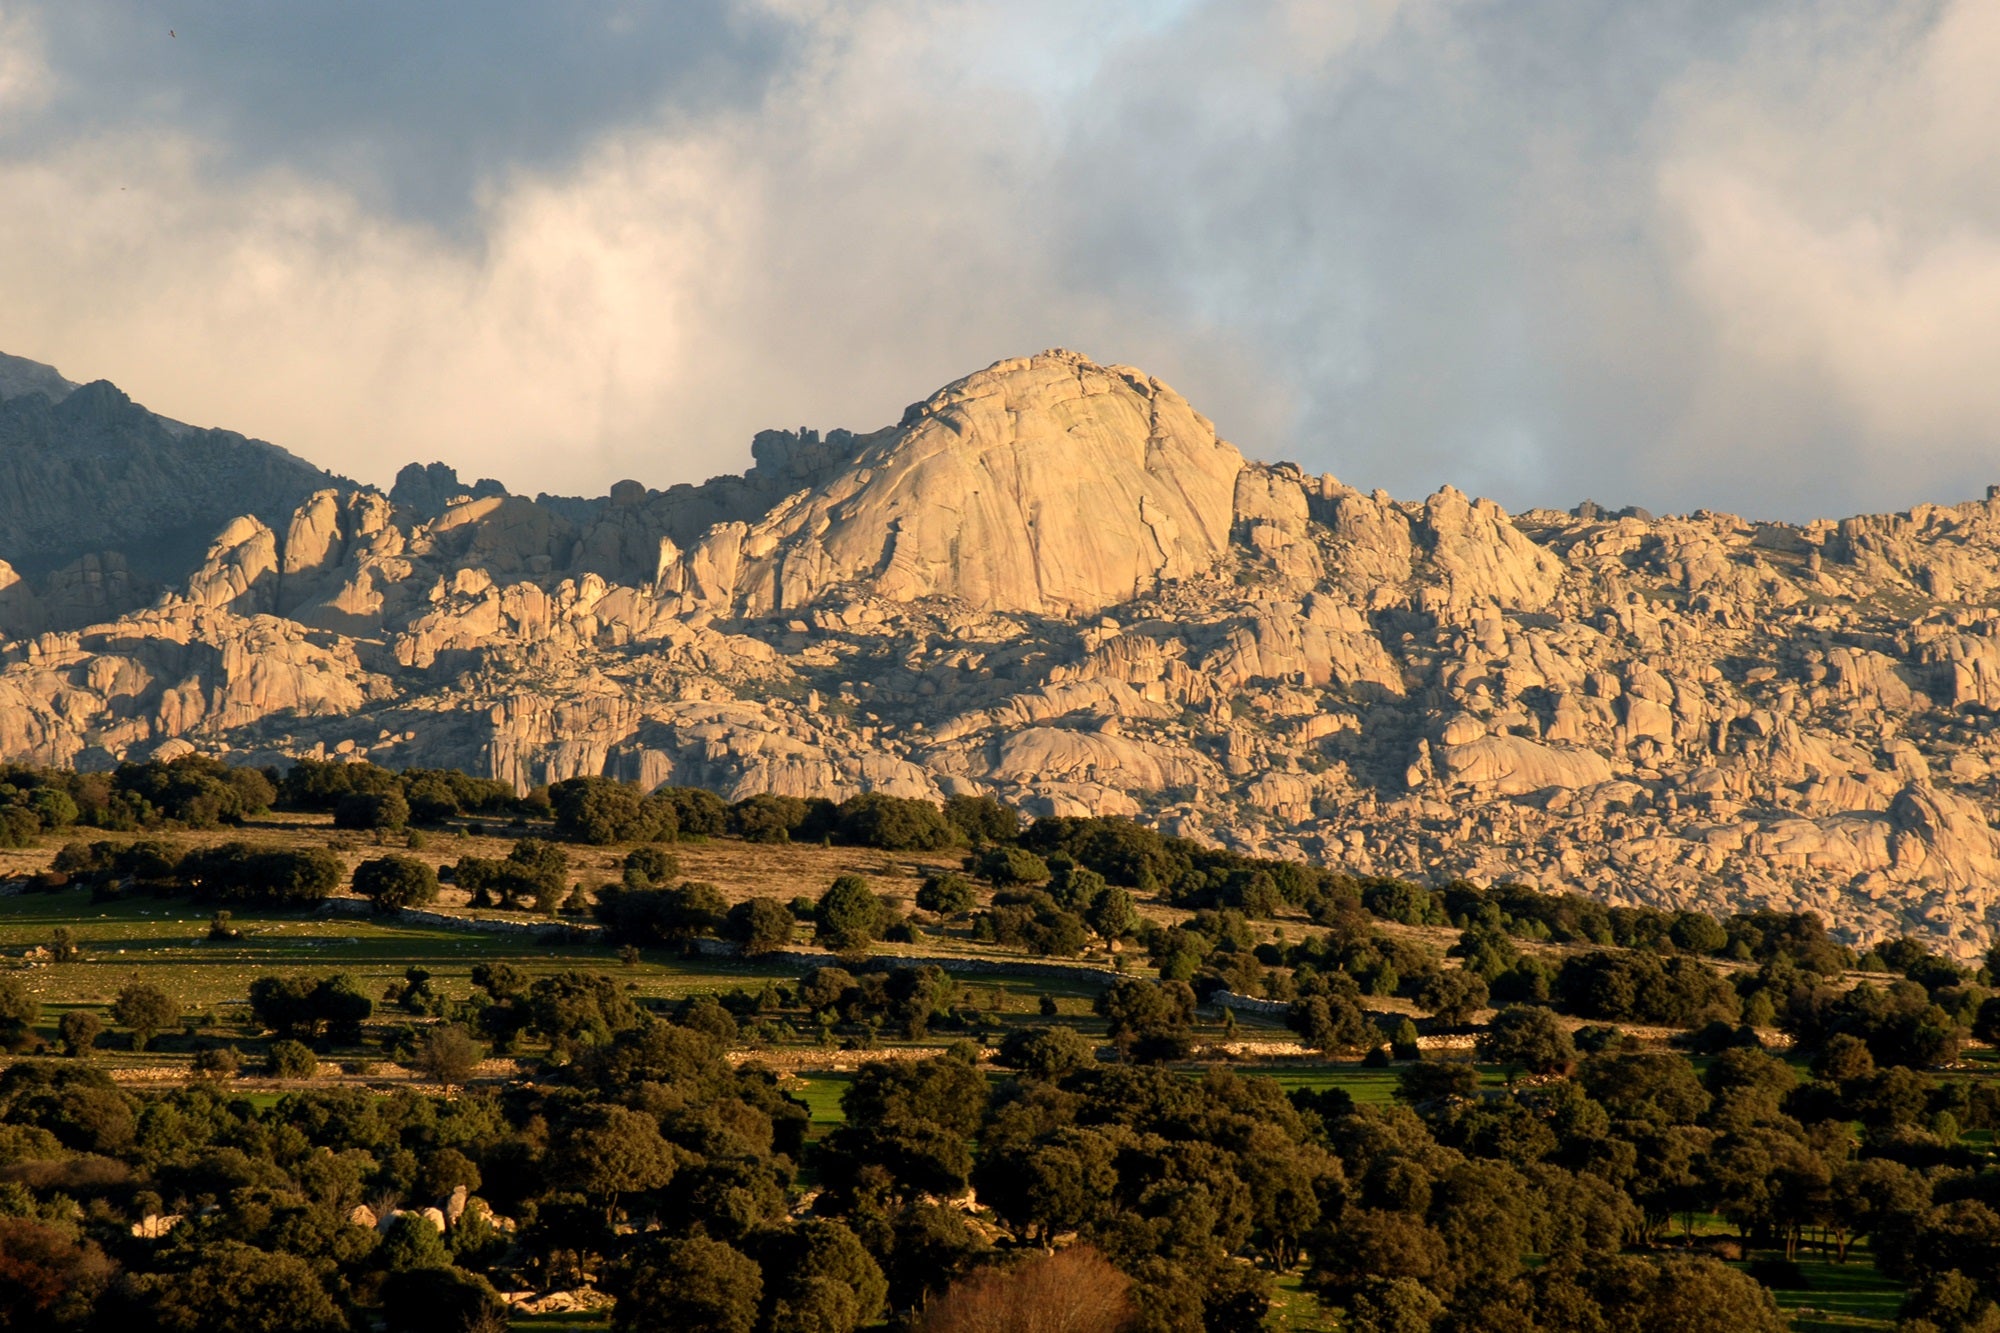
[231,873]
[194,791]
[1059,884]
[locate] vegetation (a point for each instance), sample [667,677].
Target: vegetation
[1522,1110]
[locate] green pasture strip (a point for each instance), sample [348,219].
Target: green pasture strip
[163,942]
[1368,1087]
[821,1093]
[1852,1295]
[1296,1310]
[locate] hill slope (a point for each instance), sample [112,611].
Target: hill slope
[94,489]
[1051,581]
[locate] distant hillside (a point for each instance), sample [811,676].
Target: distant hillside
[86,471]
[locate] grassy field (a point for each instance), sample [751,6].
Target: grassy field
[1841,1296]
[164,942]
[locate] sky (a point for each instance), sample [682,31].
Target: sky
[1734,254]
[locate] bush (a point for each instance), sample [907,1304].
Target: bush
[291,1059]
[371,810]
[80,1030]
[893,823]
[395,882]
[650,867]
[760,925]
[1047,1052]
[849,917]
[236,872]
[767,818]
[603,810]
[949,894]
[218,1062]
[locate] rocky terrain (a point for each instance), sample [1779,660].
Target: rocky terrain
[1052,581]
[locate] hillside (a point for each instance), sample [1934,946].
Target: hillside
[102,501]
[1053,582]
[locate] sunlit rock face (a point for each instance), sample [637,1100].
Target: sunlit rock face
[1053,582]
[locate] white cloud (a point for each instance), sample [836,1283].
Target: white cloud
[1843,245]
[26,82]
[1744,256]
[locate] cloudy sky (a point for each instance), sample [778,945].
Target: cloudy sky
[1742,254]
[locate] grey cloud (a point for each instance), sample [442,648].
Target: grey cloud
[1741,255]
[413,106]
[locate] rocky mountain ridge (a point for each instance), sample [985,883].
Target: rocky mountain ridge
[1053,581]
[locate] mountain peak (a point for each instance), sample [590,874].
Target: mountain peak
[1046,484]
[19,376]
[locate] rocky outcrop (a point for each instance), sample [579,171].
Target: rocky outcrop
[1052,582]
[1048,484]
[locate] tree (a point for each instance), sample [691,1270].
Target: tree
[236,872]
[545,866]
[695,1285]
[412,1241]
[893,823]
[1149,1021]
[1112,914]
[234,1288]
[610,1152]
[823,1276]
[395,882]
[145,1010]
[371,810]
[1428,1082]
[448,1054]
[1332,1022]
[1986,1026]
[63,946]
[1688,1296]
[600,811]
[291,1059]
[767,817]
[302,1007]
[80,1030]
[1526,1037]
[1658,1089]
[1452,995]
[650,867]
[218,1062]
[1004,867]
[47,1279]
[760,925]
[1076,1290]
[441,1300]
[1047,1052]
[1393,1305]
[948,894]
[849,917]
[18,1011]
[697,813]
[981,819]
